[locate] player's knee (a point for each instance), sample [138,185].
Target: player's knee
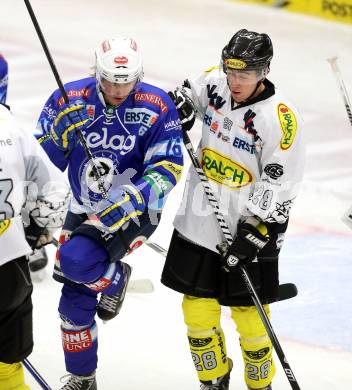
[82,259]
[248,321]
[12,377]
[201,313]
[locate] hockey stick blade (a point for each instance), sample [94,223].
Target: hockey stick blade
[140,286]
[287,291]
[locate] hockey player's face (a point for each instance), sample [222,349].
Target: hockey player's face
[116,93]
[242,83]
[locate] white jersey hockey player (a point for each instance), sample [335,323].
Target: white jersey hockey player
[252,153]
[29,183]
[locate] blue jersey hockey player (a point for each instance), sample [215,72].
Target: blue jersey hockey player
[133,131]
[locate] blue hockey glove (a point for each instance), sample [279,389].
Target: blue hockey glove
[185,108]
[248,242]
[123,204]
[70,118]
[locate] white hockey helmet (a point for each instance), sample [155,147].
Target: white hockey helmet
[118,60]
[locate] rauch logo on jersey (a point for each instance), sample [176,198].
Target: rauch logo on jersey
[225,171]
[288,124]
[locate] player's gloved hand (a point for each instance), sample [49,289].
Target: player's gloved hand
[70,118]
[124,204]
[250,239]
[36,235]
[185,108]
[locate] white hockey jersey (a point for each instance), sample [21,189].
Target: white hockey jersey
[28,180]
[253,155]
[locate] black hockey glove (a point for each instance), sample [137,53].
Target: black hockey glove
[247,243]
[185,108]
[37,236]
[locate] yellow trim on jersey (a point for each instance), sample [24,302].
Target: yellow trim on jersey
[4,225]
[173,168]
[211,69]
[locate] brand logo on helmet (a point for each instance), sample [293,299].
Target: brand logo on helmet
[288,124]
[121,60]
[232,63]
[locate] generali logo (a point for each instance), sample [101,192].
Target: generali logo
[151,98]
[75,93]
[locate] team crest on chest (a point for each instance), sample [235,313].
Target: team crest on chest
[106,164]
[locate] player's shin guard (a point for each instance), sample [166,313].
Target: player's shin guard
[259,365]
[80,345]
[12,377]
[206,339]
[208,353]
[256,347]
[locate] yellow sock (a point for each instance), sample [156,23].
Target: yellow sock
[12,377]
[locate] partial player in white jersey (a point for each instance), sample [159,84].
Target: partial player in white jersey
[38,259]
[31,189]
[252,153]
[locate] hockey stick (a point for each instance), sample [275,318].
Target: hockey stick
[87,151]
[39,379]
[247,279]
[139,286]
[347,217]
[333,62]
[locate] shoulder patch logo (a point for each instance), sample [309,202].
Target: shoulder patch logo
[288,123]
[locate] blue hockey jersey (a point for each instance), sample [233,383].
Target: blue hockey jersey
[138,143]
[3,79]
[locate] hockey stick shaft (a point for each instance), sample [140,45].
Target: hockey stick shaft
[247,279]
[347,217]
[159,249]
[341,84]
[39,379]
[87,151]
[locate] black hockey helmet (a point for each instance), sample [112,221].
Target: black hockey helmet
[247,50]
